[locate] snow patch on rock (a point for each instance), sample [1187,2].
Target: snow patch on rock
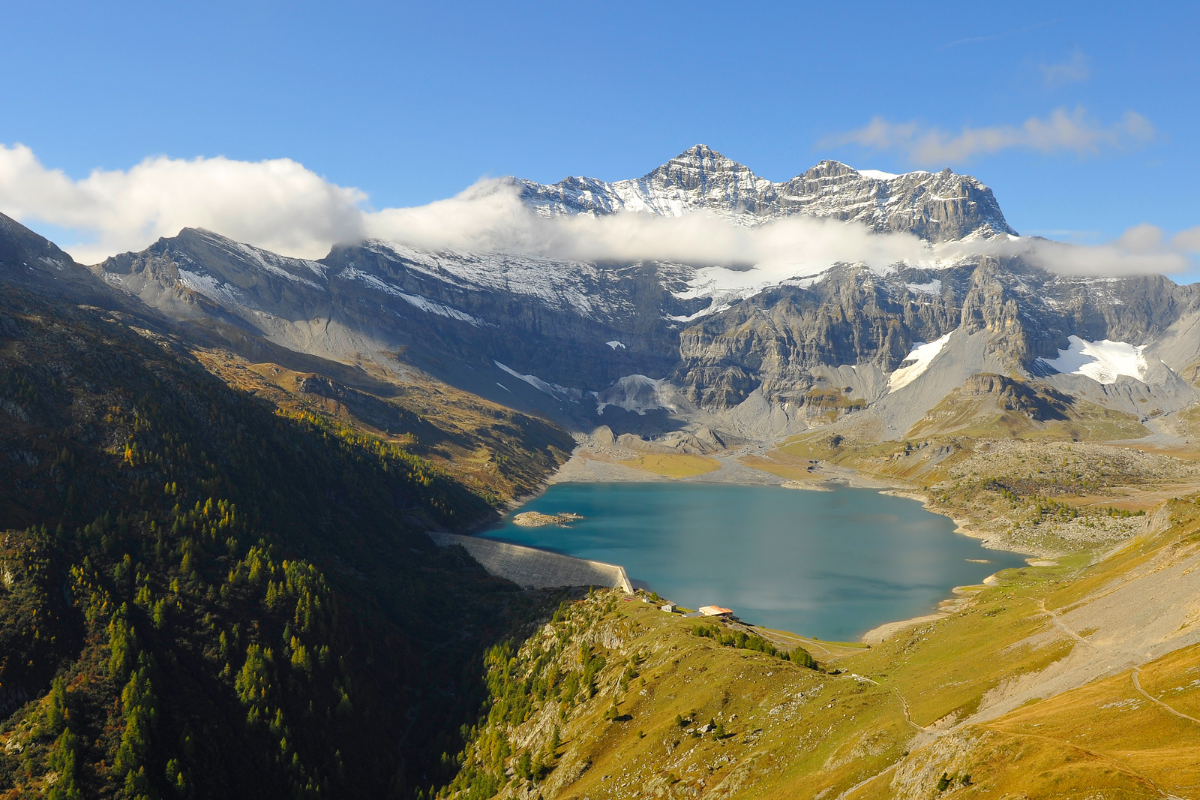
[573,286]
[427,305]
[264,259]
[222,293]
[918,361]
[933,287]
[552,389]
[714,307]
[876,174]
[423,303]
[1102,361]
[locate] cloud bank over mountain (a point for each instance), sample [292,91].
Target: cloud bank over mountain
[490,217]
[282,206]
[277,204]
[1141,250]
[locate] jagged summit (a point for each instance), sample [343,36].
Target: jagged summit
[558,330]
[703,157]
[829,169]
[696,165]
[938,207]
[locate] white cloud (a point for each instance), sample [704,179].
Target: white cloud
[1141,250]
[1061,131]
[276,204]
[490,217]
[1187,241]
[1075,69]
[1144,238]
[284,207]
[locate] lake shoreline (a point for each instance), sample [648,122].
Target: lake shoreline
[585,467]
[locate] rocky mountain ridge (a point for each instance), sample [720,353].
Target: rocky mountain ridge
[635,345]
[937,207]
[548,335]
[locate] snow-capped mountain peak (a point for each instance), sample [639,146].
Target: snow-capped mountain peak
[938,207]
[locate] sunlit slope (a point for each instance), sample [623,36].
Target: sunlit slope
[1027,691]
[1034,495]
[994,405]
[674,465]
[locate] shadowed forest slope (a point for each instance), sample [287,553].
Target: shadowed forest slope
[206,595]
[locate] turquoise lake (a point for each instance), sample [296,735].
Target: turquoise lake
[827,564]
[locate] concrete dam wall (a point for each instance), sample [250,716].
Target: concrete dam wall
[536,569]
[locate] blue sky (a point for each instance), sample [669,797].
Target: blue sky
[411,103]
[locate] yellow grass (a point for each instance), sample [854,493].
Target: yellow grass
[674,465]
[1174,679]
[785,466]
[793,732]
[1106,728]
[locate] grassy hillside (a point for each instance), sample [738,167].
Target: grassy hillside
[214,582]
[500,454]
[1027,691]
[203,594]
[673,465]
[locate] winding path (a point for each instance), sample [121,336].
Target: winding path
[1066,630]
[1137,684]
[850,792]
[1058,623]
[1135,674]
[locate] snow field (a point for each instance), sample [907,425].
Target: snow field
[1102,361]
[922,355]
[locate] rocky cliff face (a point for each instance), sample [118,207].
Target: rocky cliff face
[559,336]
[775,340]
[580,325]
[1014,395]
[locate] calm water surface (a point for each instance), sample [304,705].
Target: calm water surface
[826,564]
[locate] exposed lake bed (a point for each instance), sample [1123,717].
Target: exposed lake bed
[831,564]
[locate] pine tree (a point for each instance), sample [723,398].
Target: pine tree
[63,761]
[56,707]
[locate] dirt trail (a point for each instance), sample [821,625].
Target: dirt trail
[1058,623]
[850,792]
[1137,684]
[1134,674]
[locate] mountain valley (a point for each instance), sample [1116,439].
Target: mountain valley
[221,464]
